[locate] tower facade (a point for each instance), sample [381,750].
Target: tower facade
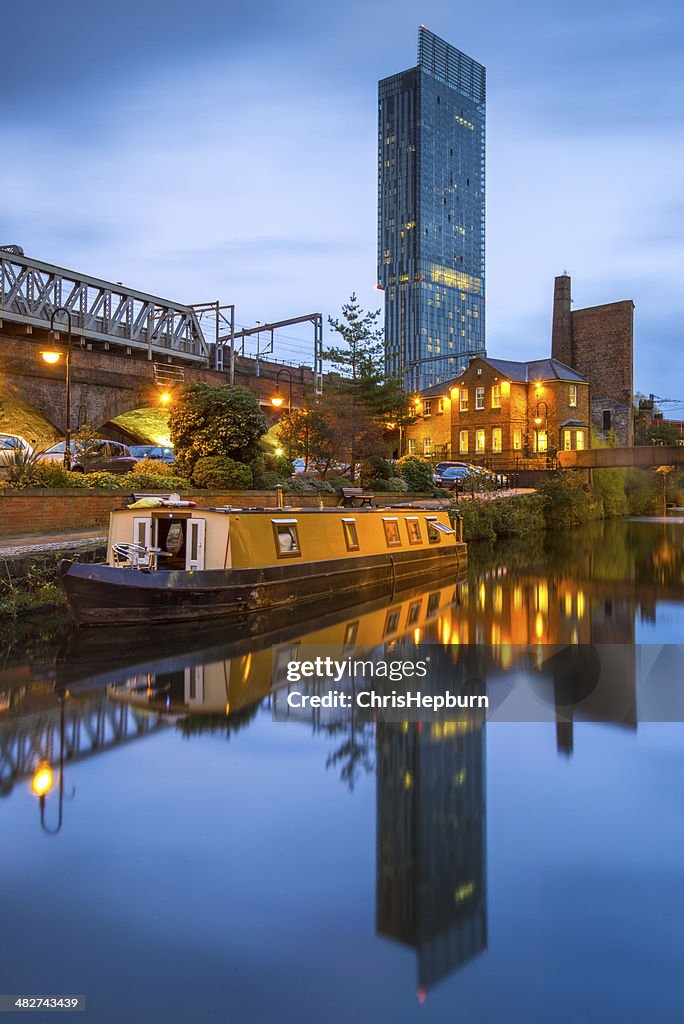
[431,213]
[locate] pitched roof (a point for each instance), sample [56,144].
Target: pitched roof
[536,369]
[437,390]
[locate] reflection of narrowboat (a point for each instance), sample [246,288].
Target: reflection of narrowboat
[229,679]
[169,564]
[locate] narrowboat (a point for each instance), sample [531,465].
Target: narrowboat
[170,563]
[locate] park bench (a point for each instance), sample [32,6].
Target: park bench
[354,497]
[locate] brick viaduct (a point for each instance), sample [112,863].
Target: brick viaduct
[107,384]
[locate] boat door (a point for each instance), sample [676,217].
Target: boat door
[194,548]
[142,531]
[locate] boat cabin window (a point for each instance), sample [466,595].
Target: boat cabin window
[392,535]
[351,537]
[436,530]
[413,530]
[171,540]
[286,533]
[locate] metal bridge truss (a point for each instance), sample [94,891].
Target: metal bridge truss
[30,291]
[92,725]
[236,338]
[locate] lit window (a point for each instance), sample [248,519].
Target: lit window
[286,538]
[427,406]
[540,441]
[496,439]
[479,440]
[517,439]
[479,398]
[567,440]
[351,537]
[433,533]
[427,446]
[413,531]
[441,404]
[496,396]
[572,395]
[464,400]
[579,440]
[412,446]
[392,535]
[463,442]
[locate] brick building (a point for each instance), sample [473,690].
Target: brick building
[503,413]
[598,342]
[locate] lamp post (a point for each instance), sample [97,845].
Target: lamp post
[43,779]
[538,421]
[51,357]
[277,399]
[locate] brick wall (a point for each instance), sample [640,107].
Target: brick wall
[602,345]
[55,511]
[436,427]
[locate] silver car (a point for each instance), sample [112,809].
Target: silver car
[9,445]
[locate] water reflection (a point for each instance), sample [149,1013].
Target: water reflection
[530,612]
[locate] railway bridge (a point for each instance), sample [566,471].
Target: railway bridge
[127,346]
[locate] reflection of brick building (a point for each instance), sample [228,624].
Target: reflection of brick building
[598,342]
[431,892]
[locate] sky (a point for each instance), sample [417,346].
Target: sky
[222,150]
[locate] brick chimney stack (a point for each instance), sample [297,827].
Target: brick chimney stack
[561,332]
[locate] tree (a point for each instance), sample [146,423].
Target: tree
[215,421]
[363,398]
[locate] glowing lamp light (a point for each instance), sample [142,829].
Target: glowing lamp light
[279,452]
[165,398]
[537,420]
[277,399]
[51,357]
[43,779]
[505,386]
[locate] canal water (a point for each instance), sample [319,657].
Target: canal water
[196,860]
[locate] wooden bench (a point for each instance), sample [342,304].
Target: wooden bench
[354,497]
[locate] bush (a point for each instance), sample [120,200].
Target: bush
[108,481]
[380,486]
[218,471]
[53,474]
[153,467]
[306,483]
[567,501]
[207,421]
[336,481]
[416,472]
[269,481]
[150,482]
[397,485]
[377,468]
[641,492]
[608,488]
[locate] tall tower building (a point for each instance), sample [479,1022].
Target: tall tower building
[431,213]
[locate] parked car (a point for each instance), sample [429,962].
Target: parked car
[441,466]
[497,479]
[9,444]
[456,478]
[103,456]
[152,451]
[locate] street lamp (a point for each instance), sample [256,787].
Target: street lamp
[53,356]
[43,778]
[277,399]
[538,421]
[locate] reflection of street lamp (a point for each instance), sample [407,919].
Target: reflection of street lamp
[43,778]
[51,357]
[538,421]
[277,399]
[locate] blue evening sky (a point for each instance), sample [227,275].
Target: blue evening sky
[218,149]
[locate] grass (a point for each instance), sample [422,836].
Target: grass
[150,426]
[17,418]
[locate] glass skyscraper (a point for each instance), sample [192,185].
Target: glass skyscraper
[431,214]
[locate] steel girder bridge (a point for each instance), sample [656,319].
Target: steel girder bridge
[113,316]
[82,726]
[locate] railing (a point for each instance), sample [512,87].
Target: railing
[101,311]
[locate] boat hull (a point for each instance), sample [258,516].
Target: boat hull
[104,595]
